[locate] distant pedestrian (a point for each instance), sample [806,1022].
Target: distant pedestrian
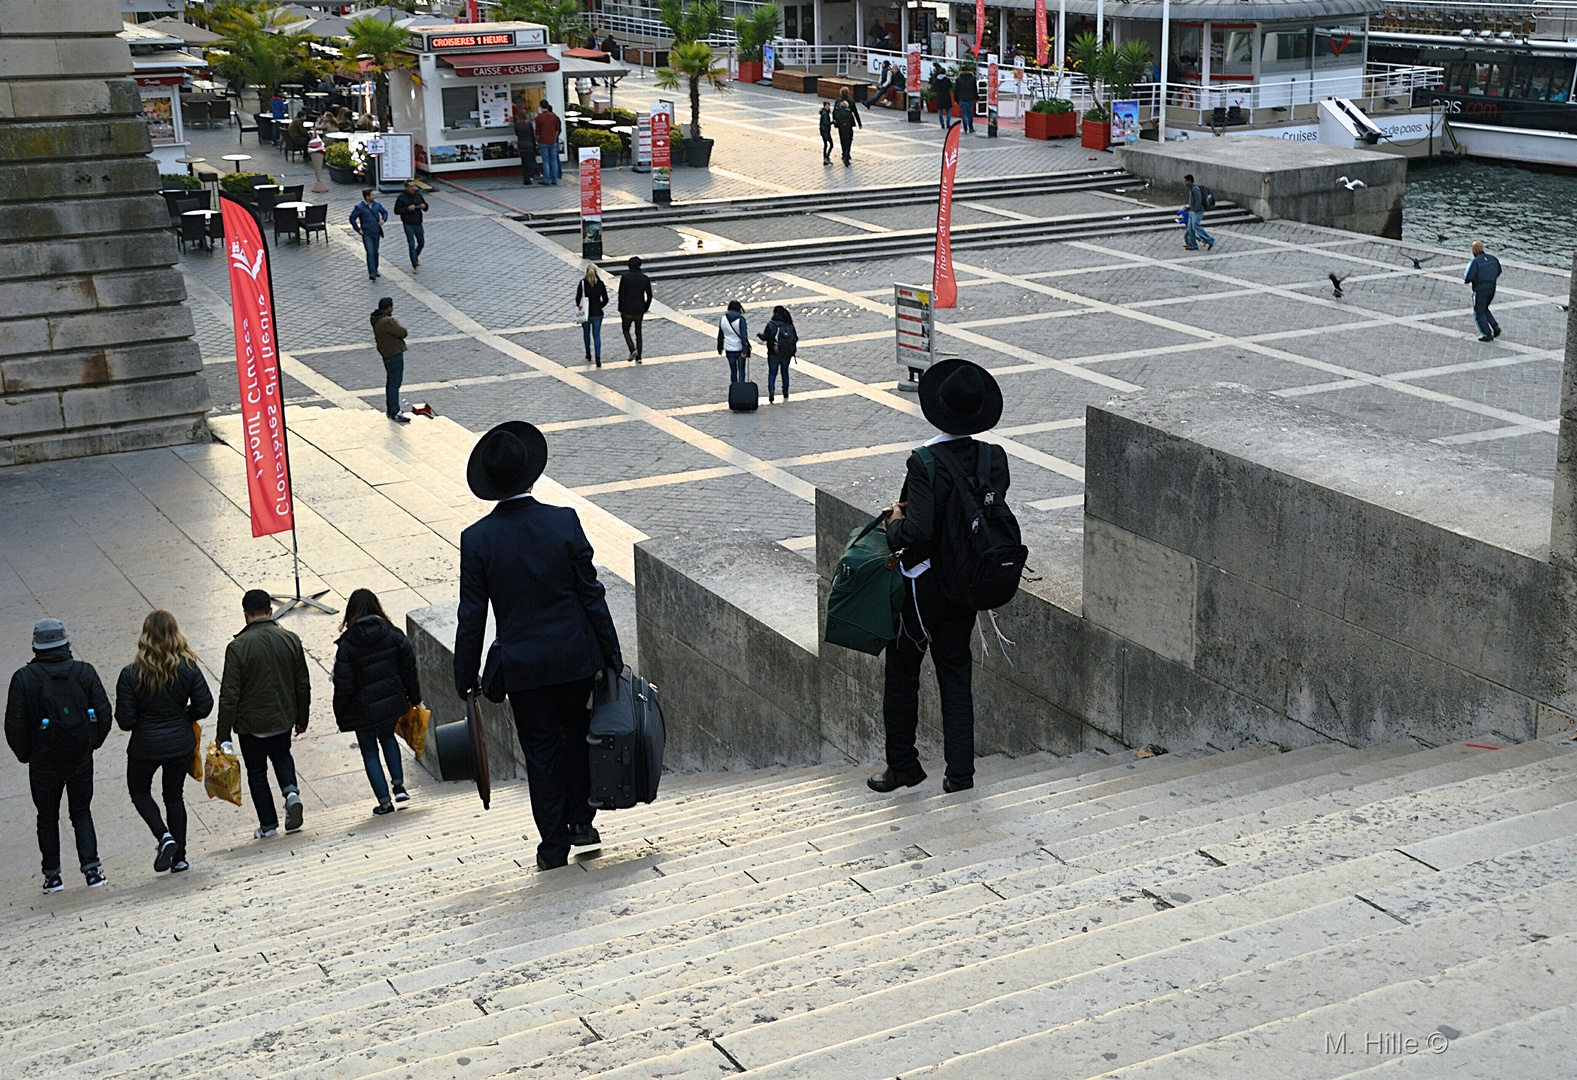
[389,335]
[159,696]
[944,100]
[264,695]
[548,129]
[967,91]
[526,144]
[635,300]
[56,715]
[845,119]
[782,343]
[826,132]
[1194,230]
[375,684]
[409,207]
[591,300]
[890,84]
[611,47]
[733,340]
[1482,273]
[367,218]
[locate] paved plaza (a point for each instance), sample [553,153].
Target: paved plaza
[652,450]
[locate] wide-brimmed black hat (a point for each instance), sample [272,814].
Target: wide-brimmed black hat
[506,461]
[960,397]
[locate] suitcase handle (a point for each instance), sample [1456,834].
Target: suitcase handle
[612,678]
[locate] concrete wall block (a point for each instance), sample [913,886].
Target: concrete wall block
[1361,689]
[46,296]
[96,254]
[140,287]
[91,367]
[1242,635]
[30,449]
[116,137]
[85,217]
[61,98]
[1139,589]
[23,337]
[53,57]
[119,403]
[1010,720]
[1548,721]
[51,18]
[1059,657]
[107,328]
[38,181]
[26,414]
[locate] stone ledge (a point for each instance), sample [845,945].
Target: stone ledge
[109,440]
[36,181]
[51,18]
[60,370]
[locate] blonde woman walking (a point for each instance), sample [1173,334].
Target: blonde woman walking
[158,698]
[591,300]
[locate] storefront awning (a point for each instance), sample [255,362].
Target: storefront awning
[521,62]
[576,67]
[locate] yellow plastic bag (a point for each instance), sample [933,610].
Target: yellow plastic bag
[195,766]
[222,775]
[412,727]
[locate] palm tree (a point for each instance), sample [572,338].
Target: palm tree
[756,30]
[1117,69]
[249,53]
[693,63]
[561,17]
[693,22]
[379,44]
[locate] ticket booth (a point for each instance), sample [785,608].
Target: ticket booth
[470,82]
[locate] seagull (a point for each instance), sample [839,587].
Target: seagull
[1336,283]
[1350,185]
[1442,237]
[1418,262]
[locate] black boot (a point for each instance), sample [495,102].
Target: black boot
[950,785]
[584,835]
[887,780]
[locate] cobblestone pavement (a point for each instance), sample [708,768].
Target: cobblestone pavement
[1062,325]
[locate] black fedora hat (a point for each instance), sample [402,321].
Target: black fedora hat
[506,461]
[960,397]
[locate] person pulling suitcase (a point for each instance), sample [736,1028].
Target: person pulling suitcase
[733,341]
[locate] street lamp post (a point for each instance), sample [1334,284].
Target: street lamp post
[1166,31]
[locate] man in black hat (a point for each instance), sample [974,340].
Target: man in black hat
[533,563]
[963,400]
[635,300]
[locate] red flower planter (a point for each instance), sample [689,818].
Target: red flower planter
[930,106]
[750,71]
[1096,135]
[1039,125]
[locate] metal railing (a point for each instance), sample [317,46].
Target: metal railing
[1278,100]
[1555,19]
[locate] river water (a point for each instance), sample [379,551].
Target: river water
[1519,213]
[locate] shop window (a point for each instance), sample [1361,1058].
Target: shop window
[460,108]
[161,119]
[1187,45]
[1231,52]
[1285,50]
[1338,46]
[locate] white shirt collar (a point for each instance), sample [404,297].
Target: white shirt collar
[944,437]
[522,495]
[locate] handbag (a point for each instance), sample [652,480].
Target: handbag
[580,313]
[195,766]
[867,593]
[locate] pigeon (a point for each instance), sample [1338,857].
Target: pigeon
[1350,185]
[1418,262]
[1336,283]
[1442,237]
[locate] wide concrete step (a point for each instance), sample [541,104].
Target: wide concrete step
[1540,1045]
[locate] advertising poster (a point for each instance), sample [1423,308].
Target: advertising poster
[590,202]
[993,91]
[915,320]
[643,141]
[1125,123]
[662,156]
[912,74]
[769,61]
[1040,33]
[944,283]
[257,372]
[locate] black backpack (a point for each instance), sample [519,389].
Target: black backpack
[1207,197]
[976,544]
[843,114]
[785,340]
[65,734]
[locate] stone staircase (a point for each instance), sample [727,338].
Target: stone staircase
[1189,914]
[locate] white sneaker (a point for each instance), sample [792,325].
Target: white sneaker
[264,834]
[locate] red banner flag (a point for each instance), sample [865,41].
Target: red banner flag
[912,69]
[944,284]
[257,372]
[992,73]
[1040,32]
[980,28]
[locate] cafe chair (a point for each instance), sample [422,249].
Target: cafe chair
[287,221]
[219,112]
[192,229]
[316,221]
[244,128]
[293,193]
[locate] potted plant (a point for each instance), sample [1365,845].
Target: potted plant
[690,65]
[241,183]
[1096,132]
[755,31]
[1051,118]
[341,162]
[611,145]
[928,95]
[676,151]
[1113,70]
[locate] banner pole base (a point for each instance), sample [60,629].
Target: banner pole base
[291,603]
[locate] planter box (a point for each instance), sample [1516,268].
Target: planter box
[930,106]
[698,153]
[798,82]
[830,87]
[1038,125]
[1096,135]
[342,176]
[750,71]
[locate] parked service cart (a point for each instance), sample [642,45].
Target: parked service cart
[469,84]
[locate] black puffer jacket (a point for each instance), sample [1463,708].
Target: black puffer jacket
[160,721]
[374,675]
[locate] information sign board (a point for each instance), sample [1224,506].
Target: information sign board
[915,319]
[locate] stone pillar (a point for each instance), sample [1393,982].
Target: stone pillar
[1563,519]
[96,349]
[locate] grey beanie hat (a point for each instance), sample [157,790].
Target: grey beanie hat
[49,634]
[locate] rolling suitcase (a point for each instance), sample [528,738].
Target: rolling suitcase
[625,741]
[743,396]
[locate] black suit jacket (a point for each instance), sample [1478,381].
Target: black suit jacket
[533,563]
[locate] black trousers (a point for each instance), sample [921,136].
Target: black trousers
[846,141]
[551,722]
[826,146]
[930,620]
[626,320]
[257,751]
[139,782]
[77,784]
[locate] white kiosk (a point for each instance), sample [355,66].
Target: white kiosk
[469,82]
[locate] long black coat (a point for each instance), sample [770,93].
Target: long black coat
[374,675]
[533,563]
[160,721]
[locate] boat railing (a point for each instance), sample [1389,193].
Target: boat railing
[1474,21]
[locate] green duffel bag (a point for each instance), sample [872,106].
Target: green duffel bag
[867,593]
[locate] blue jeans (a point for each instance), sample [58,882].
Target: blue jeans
[777,364]
[552,167]
[394,370]
[1195,231]
[591,330]
[415,239]
[966,115]
[944,116]
[736,366]
[1487,326]
[370,739]
[369,240]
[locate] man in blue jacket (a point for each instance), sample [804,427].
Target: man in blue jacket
[367,218]
[533,563]
[1482,273]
